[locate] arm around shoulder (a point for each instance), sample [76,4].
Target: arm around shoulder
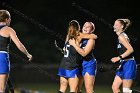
[88,36]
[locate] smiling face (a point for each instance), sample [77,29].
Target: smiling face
[117,26]
[88,28]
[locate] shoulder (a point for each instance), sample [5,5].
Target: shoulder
[123,38]
[7,28]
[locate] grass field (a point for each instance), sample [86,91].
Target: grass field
[53,88]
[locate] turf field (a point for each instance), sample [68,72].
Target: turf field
[53,88]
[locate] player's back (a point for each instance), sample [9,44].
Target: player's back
[71,59]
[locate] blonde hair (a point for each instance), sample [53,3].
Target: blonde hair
[125,22]
[93,26]
[4,14]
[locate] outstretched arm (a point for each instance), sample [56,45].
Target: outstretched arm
[17,42]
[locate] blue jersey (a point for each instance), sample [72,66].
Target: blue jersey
[89,63]
[90,55]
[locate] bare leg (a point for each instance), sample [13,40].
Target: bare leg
[3,80]
[80,83]
[63,84]
[73,83]
[127,84]
[116,84]
[89,83]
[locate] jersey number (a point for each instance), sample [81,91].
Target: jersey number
[66,53]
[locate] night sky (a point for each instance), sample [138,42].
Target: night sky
[39,22]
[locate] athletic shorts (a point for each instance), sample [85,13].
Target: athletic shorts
[68,73]
[4,62]
[127,69]
[89,67]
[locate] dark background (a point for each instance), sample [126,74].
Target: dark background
[39,23]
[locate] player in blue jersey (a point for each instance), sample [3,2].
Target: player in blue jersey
[6,35]
[127,69]
[69,66]
[88,68]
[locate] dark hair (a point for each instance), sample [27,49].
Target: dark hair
[73,29]
[3,15]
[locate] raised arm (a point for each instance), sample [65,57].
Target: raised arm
[17,42]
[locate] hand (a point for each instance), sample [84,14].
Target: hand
[115,59]
[95,36]
[72,42]
[29,56]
